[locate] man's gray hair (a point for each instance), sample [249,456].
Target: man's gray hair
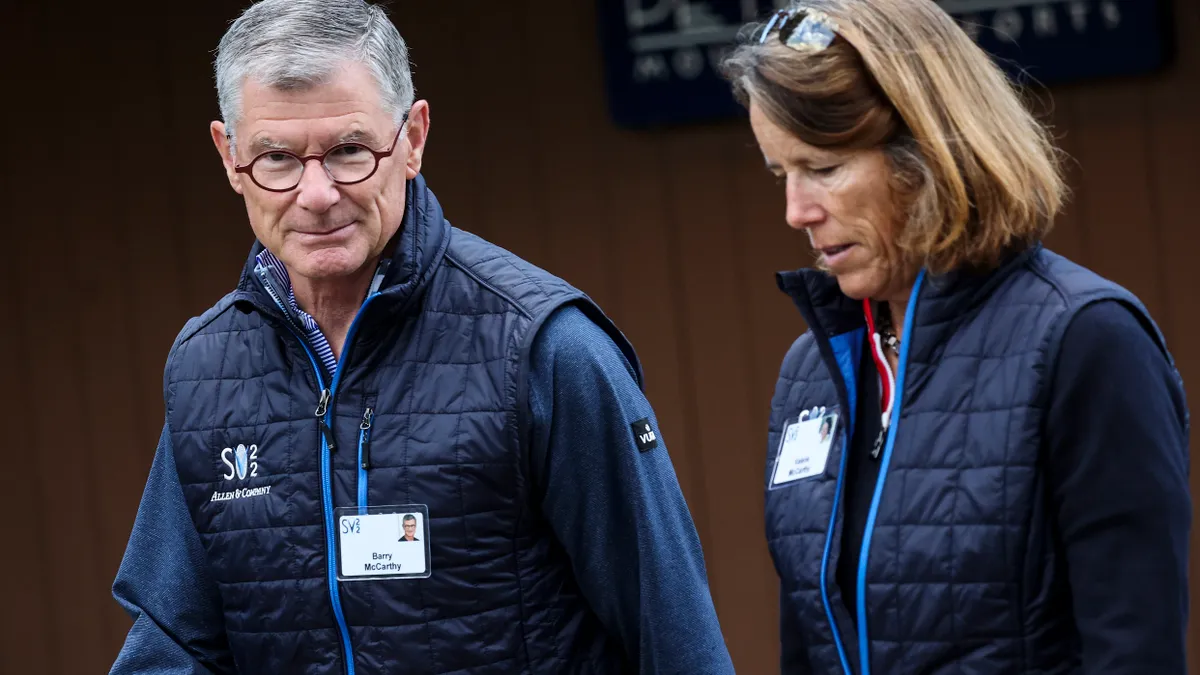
[294,44]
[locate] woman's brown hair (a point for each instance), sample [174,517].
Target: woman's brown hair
[974,171]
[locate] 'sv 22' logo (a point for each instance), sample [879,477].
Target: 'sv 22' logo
[241,462]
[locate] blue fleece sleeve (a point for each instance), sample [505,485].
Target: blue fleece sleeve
[1118,471]
[617,510]
[163,583]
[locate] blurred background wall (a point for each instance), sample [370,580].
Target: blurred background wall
[119,225]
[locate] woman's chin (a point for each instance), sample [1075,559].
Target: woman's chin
[857,286]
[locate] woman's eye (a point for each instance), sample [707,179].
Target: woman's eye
[826,170]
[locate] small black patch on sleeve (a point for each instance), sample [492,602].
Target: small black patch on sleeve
[643,435]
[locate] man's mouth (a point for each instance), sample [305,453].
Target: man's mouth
[326,233]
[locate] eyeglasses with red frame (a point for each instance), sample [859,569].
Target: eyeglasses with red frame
[345,164]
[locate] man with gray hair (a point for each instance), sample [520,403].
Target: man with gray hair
[373,361]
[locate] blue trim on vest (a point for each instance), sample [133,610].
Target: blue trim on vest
[326,499]
[335,598]
[327,489]
[362,471]
[331,547]
[847,350]
[864,641]
[326,481]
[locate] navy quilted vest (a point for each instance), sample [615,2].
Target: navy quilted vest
[440,355]
[959,572]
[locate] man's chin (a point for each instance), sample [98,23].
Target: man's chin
[327,264]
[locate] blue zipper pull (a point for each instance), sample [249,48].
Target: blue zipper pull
[365,429]
[322,408]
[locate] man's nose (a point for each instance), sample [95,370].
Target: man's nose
[316,191]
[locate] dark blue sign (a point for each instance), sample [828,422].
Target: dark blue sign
[1058,41]
[662,56]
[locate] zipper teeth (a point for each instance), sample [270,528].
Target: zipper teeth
[335,597]
[837,496]
[364,437]
[864,646]
[331,559]
[287,316]
[326,481]
[362,473]
[833,626]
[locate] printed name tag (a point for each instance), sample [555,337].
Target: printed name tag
[804,446]
[383,542]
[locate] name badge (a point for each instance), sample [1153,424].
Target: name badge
[383,542]
[804,446]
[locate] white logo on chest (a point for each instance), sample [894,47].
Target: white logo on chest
[241,462]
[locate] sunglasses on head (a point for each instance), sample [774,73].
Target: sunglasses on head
[802,29]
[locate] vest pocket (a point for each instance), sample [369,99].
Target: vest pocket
[364,449]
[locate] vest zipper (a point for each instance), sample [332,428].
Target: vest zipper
[364,453]
[839,361]
[864,639]
[327,488]
[324,415]
[322,423]
[838,489]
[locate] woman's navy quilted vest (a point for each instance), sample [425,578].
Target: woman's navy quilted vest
[961,574]
[441,357]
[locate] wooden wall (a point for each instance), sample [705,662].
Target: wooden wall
[119,225]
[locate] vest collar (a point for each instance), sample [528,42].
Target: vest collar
[416,249]
[942,302]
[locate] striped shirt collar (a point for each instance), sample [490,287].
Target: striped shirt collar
[278,283]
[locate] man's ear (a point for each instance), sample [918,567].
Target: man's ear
[221,140]
[417,133]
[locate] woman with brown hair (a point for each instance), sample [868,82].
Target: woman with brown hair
[1006,491]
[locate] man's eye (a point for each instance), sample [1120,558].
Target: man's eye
[826,170]
[351,150]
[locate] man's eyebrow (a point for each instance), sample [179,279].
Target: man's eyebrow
[261,143]
[358,136]
[264,143]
